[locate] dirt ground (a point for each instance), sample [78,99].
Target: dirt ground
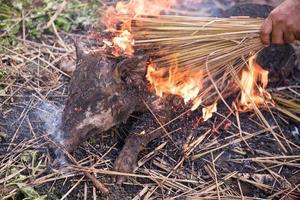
[231,156]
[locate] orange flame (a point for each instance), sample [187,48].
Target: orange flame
[123,13]
[126,11]
[186,85]
[208,111]
[189,85]
[123,43]
[171,81]
[254,80]
[144,7]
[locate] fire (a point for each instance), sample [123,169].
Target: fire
[170,80]
[254,80]
[123,13]
[135,8]
[123,43]
[208,111]
[188,85]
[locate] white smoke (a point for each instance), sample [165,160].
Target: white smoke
[51,116]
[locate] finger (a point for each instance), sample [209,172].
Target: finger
[288,37]
[277,35]
[297,35]
[266,30]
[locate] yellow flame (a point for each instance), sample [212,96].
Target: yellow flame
[123,13]
[254,80]
[171,81]
[143,7]
[188,85]
[208,111]
[123,42]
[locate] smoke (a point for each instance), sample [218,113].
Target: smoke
[203,8]
[51,117]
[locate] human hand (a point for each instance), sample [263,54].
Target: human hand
[283,24]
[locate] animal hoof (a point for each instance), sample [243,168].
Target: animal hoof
[126,161]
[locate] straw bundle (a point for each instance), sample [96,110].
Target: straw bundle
[185,48]
[287,101]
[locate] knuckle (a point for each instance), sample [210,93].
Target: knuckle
[277,16]
[280,18]
[290,40]
[273,14]
[264,32]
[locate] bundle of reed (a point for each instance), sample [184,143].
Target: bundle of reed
[287,101]
[187,49]
[196,40]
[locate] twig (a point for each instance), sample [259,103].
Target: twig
[100,186]
[74,186]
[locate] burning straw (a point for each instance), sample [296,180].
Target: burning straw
[196,58]
[201,59]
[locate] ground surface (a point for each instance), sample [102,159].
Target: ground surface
[231,156]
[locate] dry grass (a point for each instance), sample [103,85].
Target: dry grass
[212,51]
[287,99]
[195,169]
[232,156]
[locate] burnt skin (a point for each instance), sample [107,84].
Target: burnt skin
[98,99]
[139,137]
[103,93]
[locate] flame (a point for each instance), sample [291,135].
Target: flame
[123,43]
[126,11]
[189,85]
[120,18]
[254,80]
[170,80]
[143,7]
[208,111]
